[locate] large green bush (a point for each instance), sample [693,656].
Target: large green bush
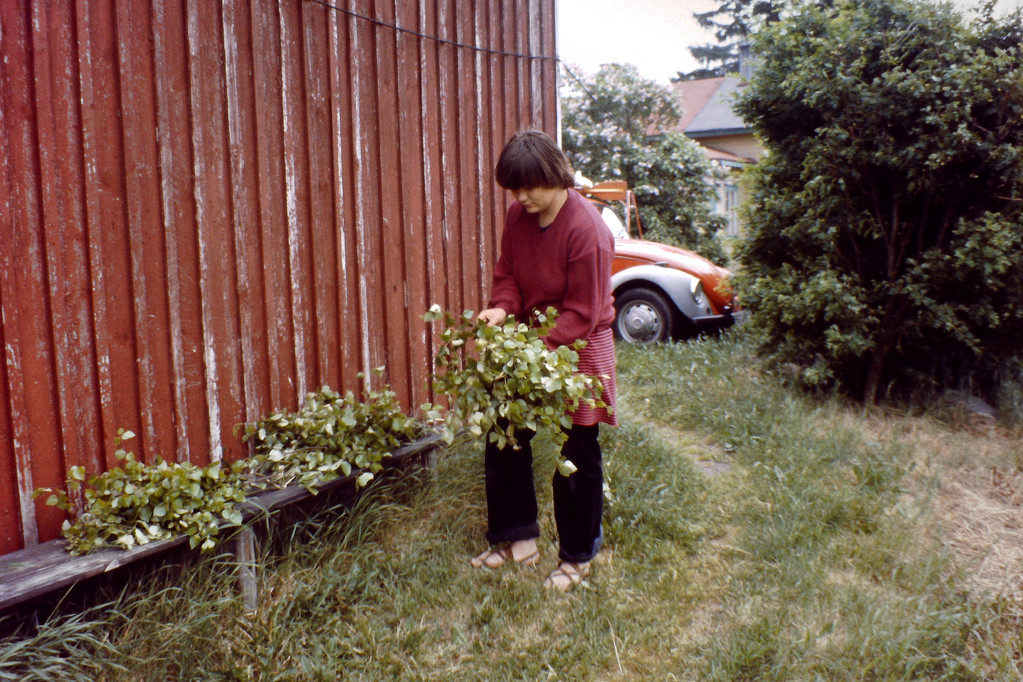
[886,234]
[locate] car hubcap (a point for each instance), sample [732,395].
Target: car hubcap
[640,322]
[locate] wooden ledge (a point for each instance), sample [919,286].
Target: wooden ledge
[47,567]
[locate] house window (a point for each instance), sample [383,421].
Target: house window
[731,211]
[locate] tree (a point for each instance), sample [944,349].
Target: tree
[733,23]
[612,129]
[886,231]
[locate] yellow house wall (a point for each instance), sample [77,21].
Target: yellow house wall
[745,145]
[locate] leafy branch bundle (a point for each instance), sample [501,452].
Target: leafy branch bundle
[136,503]
[329,436]
[503,378]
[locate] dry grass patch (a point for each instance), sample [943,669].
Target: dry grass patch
[967,477]
[980,519]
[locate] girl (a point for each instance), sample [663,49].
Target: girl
[555,251]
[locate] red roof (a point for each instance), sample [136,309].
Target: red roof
[694,96]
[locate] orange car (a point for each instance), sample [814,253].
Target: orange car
[661,292]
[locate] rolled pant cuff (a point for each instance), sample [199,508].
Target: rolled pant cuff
[514,534]
[584,557]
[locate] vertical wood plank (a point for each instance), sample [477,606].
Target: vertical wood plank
[28,350]
[511,41]
[498,131]
[175,170]
[433,180]
[112,297]
[535,94]
[343,123]
[434,185]
[523,118]
[549,69]
[324,284]
[217,257]
[65,241]
[388,186]
[449,141]
[468,160]
[413,209]
[485,92]
[242,145]
[296,180]
[273,235]
[367,166]
[11,537]
[66,245]
[145,229]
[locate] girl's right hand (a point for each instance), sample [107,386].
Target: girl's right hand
[492,316]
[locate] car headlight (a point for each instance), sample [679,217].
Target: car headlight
[696,288]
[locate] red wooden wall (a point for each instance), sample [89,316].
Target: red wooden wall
[210,207]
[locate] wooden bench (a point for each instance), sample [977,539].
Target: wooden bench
[45,568]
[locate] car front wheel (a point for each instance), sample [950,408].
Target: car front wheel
[643,316]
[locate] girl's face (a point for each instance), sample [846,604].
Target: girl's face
[537,199]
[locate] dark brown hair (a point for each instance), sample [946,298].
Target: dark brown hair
[532,159]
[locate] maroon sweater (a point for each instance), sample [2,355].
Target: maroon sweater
[566,265]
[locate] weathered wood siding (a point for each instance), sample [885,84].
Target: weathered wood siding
[210,207]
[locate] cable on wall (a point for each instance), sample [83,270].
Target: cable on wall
[444,41]
[476,48]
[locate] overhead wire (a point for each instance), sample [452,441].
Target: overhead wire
[476,48]
[427,36]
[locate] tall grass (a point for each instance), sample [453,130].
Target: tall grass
[751,533]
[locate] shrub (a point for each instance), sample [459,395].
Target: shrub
[885,227]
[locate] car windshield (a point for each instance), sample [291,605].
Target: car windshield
[614,223]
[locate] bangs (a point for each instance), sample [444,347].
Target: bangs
[532,159]
[522,172]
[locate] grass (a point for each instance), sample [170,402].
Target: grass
[751,534]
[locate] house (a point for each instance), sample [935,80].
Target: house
[709,119]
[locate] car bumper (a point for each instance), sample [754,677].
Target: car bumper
[711,322]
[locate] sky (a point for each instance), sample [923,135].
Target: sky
[652,35]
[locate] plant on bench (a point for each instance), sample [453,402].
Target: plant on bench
[330,436]
[137,503]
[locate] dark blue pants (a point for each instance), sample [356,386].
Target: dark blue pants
[578,499]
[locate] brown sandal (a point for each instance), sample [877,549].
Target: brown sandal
[567,575]
[504,555]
